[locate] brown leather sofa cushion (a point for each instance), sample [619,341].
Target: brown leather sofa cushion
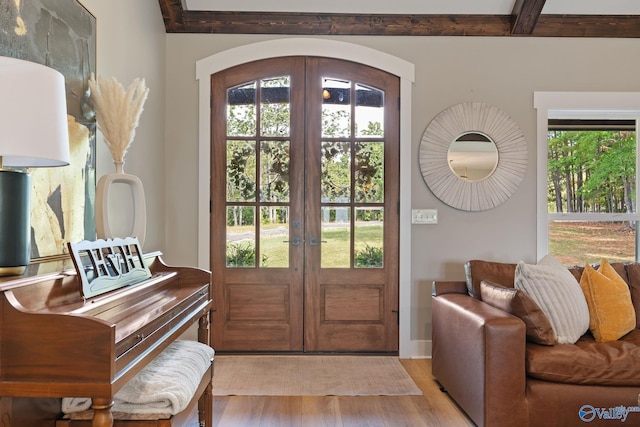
[615,363]
[619,267]
[496,272]
[633,279]
[576,271]
[521,305]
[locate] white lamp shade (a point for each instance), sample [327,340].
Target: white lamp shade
[33,115]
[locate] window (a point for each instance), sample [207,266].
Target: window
[591,168]
[587,181]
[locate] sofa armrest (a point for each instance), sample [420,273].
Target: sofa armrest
[442,287]
[479,358]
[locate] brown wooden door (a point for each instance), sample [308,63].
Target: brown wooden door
[304,224]
[351,300]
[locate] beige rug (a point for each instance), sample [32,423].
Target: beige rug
[311,376]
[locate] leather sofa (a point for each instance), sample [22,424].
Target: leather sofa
[481,357]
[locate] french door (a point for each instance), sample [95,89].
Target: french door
[304,216]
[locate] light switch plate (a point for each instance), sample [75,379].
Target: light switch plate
[424,216]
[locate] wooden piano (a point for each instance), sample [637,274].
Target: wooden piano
[57,342]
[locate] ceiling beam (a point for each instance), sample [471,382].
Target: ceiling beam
[524,15]
[611,26]
[344,24]
[173,15]
[179,20]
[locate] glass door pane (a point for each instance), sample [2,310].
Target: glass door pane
[241,236]
[335,237]
[336,108]
[369,237]
[258,164]
[369,113]
[352,175]
[369,172]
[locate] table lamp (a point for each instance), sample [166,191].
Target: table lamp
[33,133]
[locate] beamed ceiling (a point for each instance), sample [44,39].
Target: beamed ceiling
[528,18]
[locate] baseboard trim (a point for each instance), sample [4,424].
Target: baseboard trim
[419,349]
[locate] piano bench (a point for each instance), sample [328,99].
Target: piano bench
[198,413]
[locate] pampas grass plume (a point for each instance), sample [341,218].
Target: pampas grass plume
[118,111]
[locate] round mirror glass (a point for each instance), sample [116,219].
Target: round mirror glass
[473,156]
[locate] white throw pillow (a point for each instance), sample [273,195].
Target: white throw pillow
[558,293]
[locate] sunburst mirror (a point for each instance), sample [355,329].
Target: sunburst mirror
[473,156]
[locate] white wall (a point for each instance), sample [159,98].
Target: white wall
[131,43]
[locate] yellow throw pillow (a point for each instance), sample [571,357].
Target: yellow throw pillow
[611,313]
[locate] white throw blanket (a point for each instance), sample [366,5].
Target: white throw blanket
[165,386]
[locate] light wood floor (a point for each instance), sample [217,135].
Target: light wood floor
[434,408]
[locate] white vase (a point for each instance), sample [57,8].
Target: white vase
[103,228]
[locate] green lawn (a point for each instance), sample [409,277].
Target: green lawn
[275,250]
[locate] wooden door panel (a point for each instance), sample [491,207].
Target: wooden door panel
[259,307]
[350,308]
[360,303]
[355,338]
[258,302]
[263,336]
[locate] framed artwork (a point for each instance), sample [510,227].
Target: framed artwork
[62,35]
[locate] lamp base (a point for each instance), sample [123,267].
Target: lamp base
[15,227]
[12,271]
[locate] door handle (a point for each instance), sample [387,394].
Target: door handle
[294,242]
[314,241]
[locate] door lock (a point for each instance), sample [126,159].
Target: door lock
[314,241]
[294,242]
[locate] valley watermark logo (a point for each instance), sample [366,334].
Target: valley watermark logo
[589,413]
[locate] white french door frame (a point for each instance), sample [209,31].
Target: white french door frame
[330,49]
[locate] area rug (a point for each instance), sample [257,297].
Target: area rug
[311,376]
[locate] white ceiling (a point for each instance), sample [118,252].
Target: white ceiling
[427,7]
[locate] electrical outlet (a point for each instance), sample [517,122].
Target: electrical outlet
[424,216]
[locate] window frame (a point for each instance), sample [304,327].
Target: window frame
[579,105]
